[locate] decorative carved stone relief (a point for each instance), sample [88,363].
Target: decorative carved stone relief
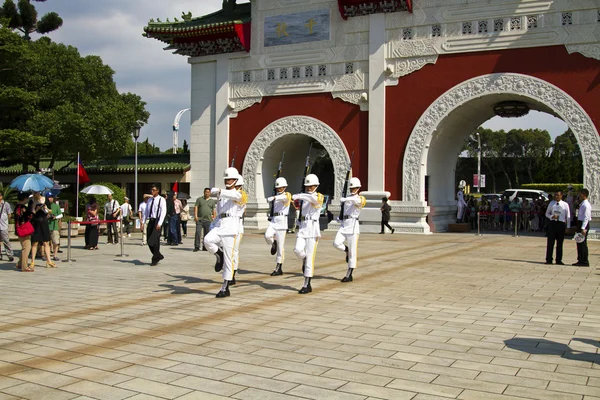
[405,66]
[553,97]
[588,50]
[296,125]
[411,48]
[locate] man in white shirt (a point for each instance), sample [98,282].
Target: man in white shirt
[559,218]
[112,211]
[126,213]
[142,216]
[584,216]
[5,212]
[156,211]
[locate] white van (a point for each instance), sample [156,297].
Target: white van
[529,194]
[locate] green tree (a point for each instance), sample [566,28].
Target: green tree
[185,148]
[565,163]
[146,148]
[24,18]
[56,103]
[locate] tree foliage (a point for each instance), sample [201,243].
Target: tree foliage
[24,18]
[56,103]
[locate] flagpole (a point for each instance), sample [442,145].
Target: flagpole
[77,195]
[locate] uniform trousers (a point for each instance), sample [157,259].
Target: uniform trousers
[273,234]
[460,213]
[306,249]
[212,242]
[6,242]
[352,240]
[236,252]
[582,248]
[556,233]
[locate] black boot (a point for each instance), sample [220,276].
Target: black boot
[303,265]
[224,292]
[278,270]
[220,260]
[274,248]
[307,288]
[346,250]
[348,277]
[233,282]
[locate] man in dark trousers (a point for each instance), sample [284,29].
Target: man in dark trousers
[559,219]
[584,216]
[385,215]
[155,215]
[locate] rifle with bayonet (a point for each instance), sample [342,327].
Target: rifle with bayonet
[346,184]
[274,186]
[233,159]
[306,170]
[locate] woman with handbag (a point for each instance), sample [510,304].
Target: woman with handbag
[24,229]
[91,230]
[41,229]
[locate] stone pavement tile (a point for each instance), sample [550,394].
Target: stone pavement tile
[593,382]
[44,378]
[98,391]
[187,348]
[563,360]
[475,384]
[143,396]
[386,339]
[422,396]
[31,391]
[387,362]
[236,347]
[573,388]
[310,392]
[99,362]
[222,356]
[376,391]
[405,348]
[486,367]
[55,354]
[250,369]
[516,380]
[195,359]
[256,382]
[270,344]
[9,368]
[371,379]
[6,381]
[475,395]
[553,376]
[366,350]
[340,355]
[151,351]
[283,355]
[207,385]
[98,375]
[152,374]
[403,374]
[317,381]
[462,356]
[258,394]
[13,356]
[154,362]
[4,396]
[444,362]
[303,368]
[525,364]
[440,346]
[201,371]
[172,337]
[153,388]
[333,331]
[427,388]
[540,394]
[507,353]
[198,395]
[48,364]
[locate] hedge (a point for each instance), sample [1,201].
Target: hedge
[553,187]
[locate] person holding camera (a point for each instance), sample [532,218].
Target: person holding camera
[54,217]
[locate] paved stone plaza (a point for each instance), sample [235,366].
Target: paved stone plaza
[427,317]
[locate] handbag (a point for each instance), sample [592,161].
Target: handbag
[25,229]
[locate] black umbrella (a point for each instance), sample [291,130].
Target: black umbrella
[183,196]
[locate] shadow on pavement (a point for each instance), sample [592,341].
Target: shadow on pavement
[548,347]
[134,262]
[525,261]
[181,290]
[191,279]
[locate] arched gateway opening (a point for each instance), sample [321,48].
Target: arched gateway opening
[292,135]
[438,136]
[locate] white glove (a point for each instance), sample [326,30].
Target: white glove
[295,197]
[343,199]
[271,198]
[215,191]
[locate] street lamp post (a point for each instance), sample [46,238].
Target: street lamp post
[478,162]
[136,136]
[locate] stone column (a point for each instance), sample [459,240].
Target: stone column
[221,122]
[376,159]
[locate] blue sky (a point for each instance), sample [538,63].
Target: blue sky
[113,30]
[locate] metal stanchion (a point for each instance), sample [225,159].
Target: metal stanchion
[69,259]
[478,223]
[516,224]
[122,241]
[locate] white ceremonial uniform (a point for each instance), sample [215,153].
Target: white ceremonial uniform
[279,223]
[225,227]
[461,204]
[240,210]
[309,232]
[349,230]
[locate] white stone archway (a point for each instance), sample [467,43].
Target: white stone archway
[537,90]
[293,125]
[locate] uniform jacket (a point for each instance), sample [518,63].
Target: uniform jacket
[311,209]
[352,207]
[281,209]
[228,216]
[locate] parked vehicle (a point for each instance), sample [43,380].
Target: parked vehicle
[529,194]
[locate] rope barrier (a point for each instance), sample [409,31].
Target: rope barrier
[105,221]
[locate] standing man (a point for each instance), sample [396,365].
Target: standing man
[309,232]
[349,230]
[142,216]
[126,213]
[460,202]
[276,232]
[385,215]
[584,216]
[112,210]
[204,214]
[559,220]
[155,216]
[240,211]
[5,212]
[220,241]
[54,218]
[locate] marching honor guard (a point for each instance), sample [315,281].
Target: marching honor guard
[220,241]
[240,210]
[460,202]
[309,232]
[349,230]
[275,234]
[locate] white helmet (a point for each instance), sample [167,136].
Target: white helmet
[240,181]
[231,173]
[280,182]
[311,180]
[462,184]
[354,183]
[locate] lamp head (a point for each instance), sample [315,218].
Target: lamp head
[136,131]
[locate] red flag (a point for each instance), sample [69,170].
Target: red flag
[176,187]
[83,176]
